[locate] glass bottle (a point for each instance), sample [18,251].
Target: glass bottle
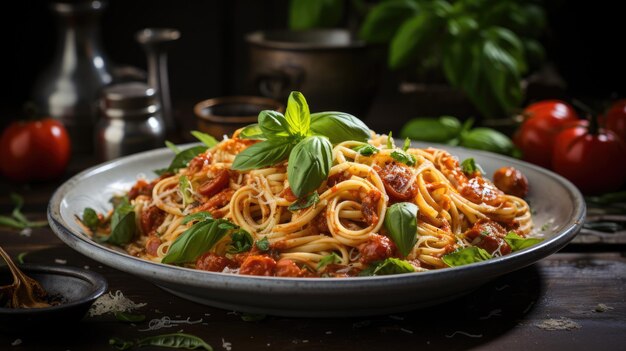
[68,89]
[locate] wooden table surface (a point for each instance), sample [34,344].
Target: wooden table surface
[572,300]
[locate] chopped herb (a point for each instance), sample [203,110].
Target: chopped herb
[403,157]
[129,317]
[241,241]
[186,190]
[90,218]
[365,149]
[328,259]
[390,141]
[263,244]
[407,144]
[470,167]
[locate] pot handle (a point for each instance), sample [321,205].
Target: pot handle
[278,83]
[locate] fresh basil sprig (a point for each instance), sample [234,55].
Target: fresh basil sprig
[469,167]
[241,241]
[303,139]
[517,242]
[305,202]
[465,256]
[183,157]
[366,149]
[403,157]
[123,225]
[90,218]
[388,266]
[198,239]
[401,224]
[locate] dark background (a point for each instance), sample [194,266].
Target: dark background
[584,42]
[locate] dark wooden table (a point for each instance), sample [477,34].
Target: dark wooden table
[572,300]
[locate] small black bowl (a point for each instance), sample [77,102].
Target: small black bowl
[76,288]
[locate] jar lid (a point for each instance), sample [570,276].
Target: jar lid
[128,99]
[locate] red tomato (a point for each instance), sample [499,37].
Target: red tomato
[615,119]
[34,150]
[543,120]
[594,161]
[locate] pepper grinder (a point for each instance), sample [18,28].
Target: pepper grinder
[156,43]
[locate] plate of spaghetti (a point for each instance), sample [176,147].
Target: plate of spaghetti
[316,215]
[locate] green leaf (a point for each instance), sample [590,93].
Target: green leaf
[206,139]
[487,139]
[384,19]
[305,202]
[339,127]
[517,242]
[414,39]
[388,266]
[129,317]
[465,256]
[7,221]
[195,241]
[401,225]
[264,154]
[186,190]
[252,131]
[298,115]
[308,14]
[407,144]
[175,341]
[390,141]
[198,216]
[263,245]
[123,226]
[366,149]
[328,259]
[309,164]
[469,167]
[241,241]
[170,145]
[273,124]
[90,218]
[403,157]
[436,130]
[181,160]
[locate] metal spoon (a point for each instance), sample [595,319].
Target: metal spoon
[24,292]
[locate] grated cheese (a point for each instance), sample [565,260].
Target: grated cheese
[167,322]
[113,303]
[562,323]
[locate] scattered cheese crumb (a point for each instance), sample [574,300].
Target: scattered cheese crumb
[113,303]
[60,261]
[558,324]
[26,232]
[166,322]
[603,308]
[16,342]
[86,267]
[226,345]
[329,332]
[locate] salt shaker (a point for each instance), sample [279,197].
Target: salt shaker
[130,120]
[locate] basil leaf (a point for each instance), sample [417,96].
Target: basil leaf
[206,139]
[128,317]
[388,266]
[401,224]
[175,341]
[273,124]
[366,149]
[264,154]
[195,241]
[305,202]
[309,164]
[403,157]
[328,259]
[298,115]
[201,216]
[339,127]
[170,145]
[470,167]
[390,141]
[241,241]
[263,245]
[252,131]
[466,256]
[407,144]
[185,188]
[415,37]
[384,19]
[435,130]
[182,158]
[517,242]
[487,139]
[123,225]
[90,218]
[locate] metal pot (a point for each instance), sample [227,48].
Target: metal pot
[330,67]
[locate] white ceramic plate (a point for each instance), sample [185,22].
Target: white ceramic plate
[555,202]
